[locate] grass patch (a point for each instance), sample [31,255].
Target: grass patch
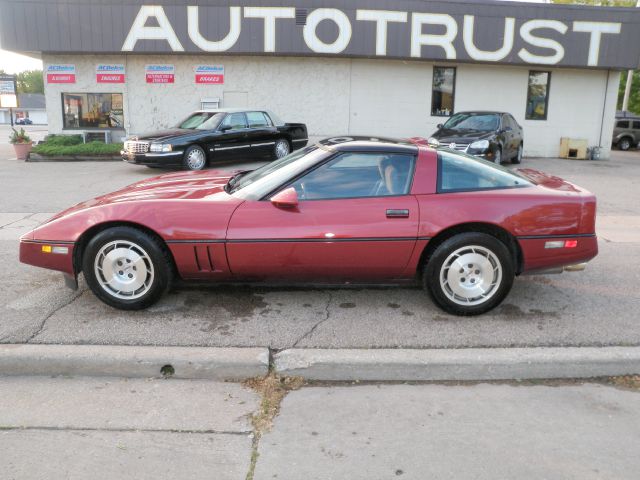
[91,148]
[272,389]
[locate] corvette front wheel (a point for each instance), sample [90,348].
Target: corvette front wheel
[469,274]
[126,268]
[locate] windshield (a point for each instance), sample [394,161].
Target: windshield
[202,121]
[474,121]
[258,183]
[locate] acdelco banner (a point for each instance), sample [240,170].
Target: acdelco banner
[110,73]
[61,73]
[484,31]
[160,73]
[210,74]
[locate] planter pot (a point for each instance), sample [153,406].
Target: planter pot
[22,150]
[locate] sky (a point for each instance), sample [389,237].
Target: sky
[14,63]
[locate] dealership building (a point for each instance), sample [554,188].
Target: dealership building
[375,67]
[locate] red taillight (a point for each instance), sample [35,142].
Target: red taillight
[571,244]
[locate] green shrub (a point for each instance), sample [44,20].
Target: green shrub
[63,140]
[92,148]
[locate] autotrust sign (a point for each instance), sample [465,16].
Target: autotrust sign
[456,30]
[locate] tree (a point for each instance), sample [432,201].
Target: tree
[634,98]
[30,81]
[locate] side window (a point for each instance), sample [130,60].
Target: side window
[257,120]
[636,125]
[353,175]
[623,124]
[513,122]
[236,121]
[458,172]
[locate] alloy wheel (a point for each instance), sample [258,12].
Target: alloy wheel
[471,275]
[282,148]
[196,159]
[124,269]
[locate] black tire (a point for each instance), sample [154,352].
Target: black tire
[189,155]
[518,158]
[156,254]
[279,148]
[624,143]
[434,268]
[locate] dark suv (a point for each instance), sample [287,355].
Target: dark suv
[626,132]
[494,136]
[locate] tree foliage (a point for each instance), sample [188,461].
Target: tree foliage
[30,81]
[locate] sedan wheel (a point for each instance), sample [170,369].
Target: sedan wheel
[282,148]
[518,158]
[195,158]
[126,268]
[624,144]
[469,274]
[497,156]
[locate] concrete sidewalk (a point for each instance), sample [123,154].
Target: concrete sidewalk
[105,429]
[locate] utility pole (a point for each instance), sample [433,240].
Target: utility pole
[627,87]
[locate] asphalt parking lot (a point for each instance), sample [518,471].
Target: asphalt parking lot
[596,307]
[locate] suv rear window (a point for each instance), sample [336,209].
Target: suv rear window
[463,173]
[623,124]
[636,125]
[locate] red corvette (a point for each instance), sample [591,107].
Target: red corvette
[345,210]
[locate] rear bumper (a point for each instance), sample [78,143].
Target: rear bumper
[538,258]
[152,158]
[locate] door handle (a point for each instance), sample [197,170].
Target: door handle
[397,213]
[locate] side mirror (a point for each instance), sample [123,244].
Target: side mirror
[225,128]
[287,198]
[439,126]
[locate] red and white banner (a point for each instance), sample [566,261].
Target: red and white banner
[110,73]
[61,74]
[160,73]
[210,74]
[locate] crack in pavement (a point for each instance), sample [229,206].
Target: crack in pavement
[109,429]
[53,312]
[28,215]
[320,322]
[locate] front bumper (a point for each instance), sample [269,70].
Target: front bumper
[153,158]
[55,255]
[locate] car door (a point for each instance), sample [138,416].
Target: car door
[510,133]
[355,220]
[232,140]
[262,133]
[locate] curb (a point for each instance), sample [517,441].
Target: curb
[458,364]
[134,362]
[34,157]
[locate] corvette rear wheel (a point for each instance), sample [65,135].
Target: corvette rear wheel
[126,268]
[469,274]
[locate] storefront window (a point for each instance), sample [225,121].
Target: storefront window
[538,95]
[442,95]
[92,110]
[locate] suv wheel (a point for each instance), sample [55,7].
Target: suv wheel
[624,143]
[518,158]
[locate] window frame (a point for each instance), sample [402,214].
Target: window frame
[267,118]
[453,91]
[440,191]
[246,122]
[546,99]
[79,128]
[290,182]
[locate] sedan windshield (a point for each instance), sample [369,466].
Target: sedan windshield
[202,121]
[473,121]
[258,183]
